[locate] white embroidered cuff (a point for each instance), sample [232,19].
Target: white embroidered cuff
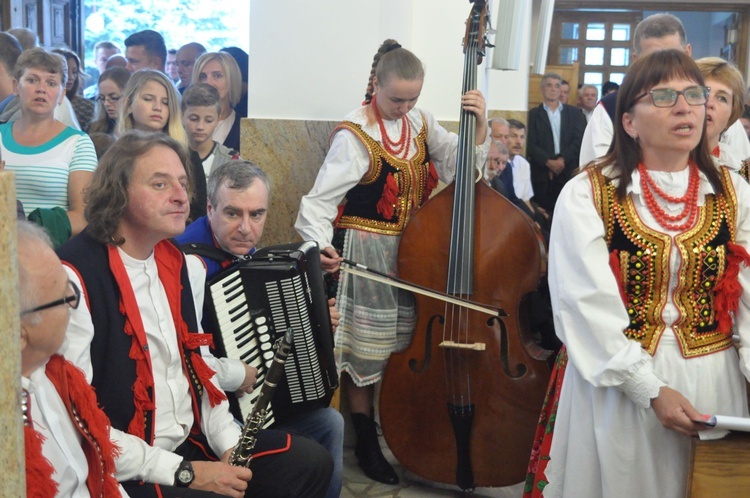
[642,386]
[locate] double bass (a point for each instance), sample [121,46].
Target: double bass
[461,403]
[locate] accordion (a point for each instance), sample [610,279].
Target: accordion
[253,302]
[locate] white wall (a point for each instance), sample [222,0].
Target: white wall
[311,59]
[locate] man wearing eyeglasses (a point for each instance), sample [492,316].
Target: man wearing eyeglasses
[72,455]
[138,340]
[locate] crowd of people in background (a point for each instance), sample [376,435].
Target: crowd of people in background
[120,166]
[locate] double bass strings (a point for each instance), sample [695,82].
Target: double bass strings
[456,328]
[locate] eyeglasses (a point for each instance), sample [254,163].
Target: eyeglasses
[666,97]
[112,98]
[71,300]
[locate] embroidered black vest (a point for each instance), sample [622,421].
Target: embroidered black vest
[640,260]
[411,176]
[114,372]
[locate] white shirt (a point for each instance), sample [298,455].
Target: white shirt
[223,128]
[230,372]
[605,428]
[208,163]
[522,178]
[174,416]
[554,121]
[347,162]
[65,113]
[599,132]
[62,441]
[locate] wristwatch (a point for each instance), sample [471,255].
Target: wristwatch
[184,475]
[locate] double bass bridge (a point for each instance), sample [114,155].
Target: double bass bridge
[474,346]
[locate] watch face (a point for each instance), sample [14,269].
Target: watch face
[185,476]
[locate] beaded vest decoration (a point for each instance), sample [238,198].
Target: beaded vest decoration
[745,170]
[391,189]
[639,257]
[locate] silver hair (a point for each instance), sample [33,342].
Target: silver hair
[238,175]
[500,120]
[28,234]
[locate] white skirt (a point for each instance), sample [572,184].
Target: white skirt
[600,432]
[376,319]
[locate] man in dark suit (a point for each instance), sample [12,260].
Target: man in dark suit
[555,132]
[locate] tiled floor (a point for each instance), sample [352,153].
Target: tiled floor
[357,485]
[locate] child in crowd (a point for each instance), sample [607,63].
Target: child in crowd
[151,103]
[200,115]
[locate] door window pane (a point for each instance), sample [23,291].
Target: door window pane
[594,56]
[619,57]
[621,32]
[593,78]
[568,55]
[617,77]
[570,30]
[595,31]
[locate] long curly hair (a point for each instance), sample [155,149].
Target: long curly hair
[106,196]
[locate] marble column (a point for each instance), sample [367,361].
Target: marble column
[12,466]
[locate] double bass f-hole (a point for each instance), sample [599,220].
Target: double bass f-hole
[427,350]
[504,358]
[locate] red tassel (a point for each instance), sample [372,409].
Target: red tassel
[727,291]
[195,340]
[136,351]
[387,202]
[432,182]
[614,264]
[97,422]
[204,373]
[339,215]
[39,470]
[142,403]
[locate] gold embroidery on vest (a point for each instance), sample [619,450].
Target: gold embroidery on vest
[644,273]
[411,177]
[745,170]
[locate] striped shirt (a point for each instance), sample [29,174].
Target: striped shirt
[42,171]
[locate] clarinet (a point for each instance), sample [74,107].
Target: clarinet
[241,454]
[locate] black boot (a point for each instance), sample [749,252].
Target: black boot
[368,451]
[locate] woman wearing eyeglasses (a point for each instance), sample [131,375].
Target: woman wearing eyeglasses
[112,83]
[648,279]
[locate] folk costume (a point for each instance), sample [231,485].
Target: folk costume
[724,155]
[68,449]
[138,341]
[663,315]
[381,182]
[324,425]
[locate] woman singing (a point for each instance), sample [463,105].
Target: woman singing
[648,280]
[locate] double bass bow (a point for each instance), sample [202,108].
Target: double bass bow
[450,411]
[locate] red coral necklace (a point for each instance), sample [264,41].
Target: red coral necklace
[398,148]
[689,213]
